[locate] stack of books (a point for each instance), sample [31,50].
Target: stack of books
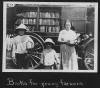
[28,14]
[48,22]
[50,29]
[49,15]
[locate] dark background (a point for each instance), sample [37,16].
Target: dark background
[90,80]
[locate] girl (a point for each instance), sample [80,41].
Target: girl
[21,44]
[67,39]
[49,56]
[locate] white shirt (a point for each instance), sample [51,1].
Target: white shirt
[49,57]
[21,44]
[65,36]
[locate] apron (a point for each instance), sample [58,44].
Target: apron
[68,57]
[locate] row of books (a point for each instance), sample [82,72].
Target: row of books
[44,29]
[26,21]
[41,21]
[42,14]
[49,15]
[28,14]
[48,22]
[49,29]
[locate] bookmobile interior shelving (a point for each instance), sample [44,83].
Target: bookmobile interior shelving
[44,20]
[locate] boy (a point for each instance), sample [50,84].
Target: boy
[49,56]
[21,44]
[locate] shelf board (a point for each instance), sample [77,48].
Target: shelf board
[28,24]
[20,17]
[48,25]
[47,32]
[48,18]
[36,18]
[39,25]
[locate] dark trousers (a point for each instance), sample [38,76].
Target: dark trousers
[21,61]
[50,67]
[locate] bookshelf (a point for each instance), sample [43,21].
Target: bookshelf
[49,19]
[39,18]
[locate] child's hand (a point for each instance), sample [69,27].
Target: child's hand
[58,66]
[62,39]
[68,41]
[14,60]
[13,57]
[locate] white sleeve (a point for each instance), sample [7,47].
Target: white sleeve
[60,36]
[42,58]
[29,43]
[56,57]
[74,37]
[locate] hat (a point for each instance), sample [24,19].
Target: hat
[49,40]
[22,27]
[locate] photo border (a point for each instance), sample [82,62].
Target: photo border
[72,4]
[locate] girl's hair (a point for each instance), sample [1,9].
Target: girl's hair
[72,27]
[66,21]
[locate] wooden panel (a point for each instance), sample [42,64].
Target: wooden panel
[77,15]
[11,17]
[73,12]
[90,28]
[80,25]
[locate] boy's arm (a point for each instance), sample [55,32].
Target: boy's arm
[56,57]
[29,43]
[42,58]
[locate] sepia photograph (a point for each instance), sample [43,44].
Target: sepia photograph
[50,37]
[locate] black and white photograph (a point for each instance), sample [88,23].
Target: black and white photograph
[50,37]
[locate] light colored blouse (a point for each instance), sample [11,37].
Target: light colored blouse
[67,36]
[49,57]
[21,44]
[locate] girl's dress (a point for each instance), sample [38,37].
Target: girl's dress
[20,46]
[68,53]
